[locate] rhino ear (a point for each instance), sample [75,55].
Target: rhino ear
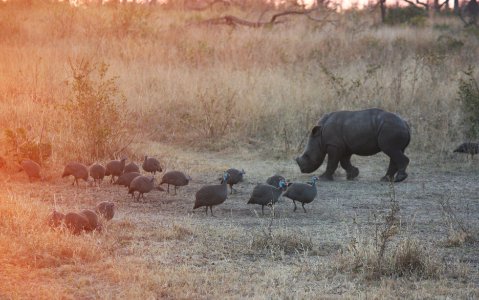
[316,131]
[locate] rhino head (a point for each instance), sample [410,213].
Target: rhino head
[313,155]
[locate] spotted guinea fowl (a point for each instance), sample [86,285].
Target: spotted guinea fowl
[142,185]
[97,172]
[115,168]
[105,209]
[32,169]
[235,176]
[266,194]
[77,170]
[175,178]
[211,195]
[93,222]
[469,148]
[130,168]
[275,180]
[125,179]
[151,165]
[302,192]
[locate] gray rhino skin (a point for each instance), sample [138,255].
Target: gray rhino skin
[366,132]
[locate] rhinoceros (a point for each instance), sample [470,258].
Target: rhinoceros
[365,132]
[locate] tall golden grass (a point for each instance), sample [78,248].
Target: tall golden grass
[211,85]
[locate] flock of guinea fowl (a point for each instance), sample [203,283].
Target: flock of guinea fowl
[128,175]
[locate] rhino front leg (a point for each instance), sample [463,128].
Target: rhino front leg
[333,161]
[351,171]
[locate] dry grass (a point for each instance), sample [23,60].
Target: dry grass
[208,86]
[242,93]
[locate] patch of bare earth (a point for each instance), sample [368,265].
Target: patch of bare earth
[161,248]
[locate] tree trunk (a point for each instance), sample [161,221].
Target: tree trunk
[456,7]
[383,10]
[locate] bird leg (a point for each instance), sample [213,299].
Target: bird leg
[262,209]
[231,189]
[294,205]
[211,209]
[303,207]
[175,190]
[206,210]
[168,191]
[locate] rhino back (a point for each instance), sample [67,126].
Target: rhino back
[364,132]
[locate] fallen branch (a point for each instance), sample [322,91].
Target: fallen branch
[233,21]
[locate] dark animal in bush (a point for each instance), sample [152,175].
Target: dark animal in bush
[31,168]
[55,219]
[152,165]
[93,223]
[142,185]
[115,168]
[126,178]
[77,170]
[175,178]
[275,180]
[365,132]
[76,222]
[469,148]
[97,172]
[131,167]
[302,192]
[105,209]
[266,194]
[235,176]
[211,195]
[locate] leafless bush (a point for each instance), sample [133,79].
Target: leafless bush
[459,231]
[374,257]
[280,241]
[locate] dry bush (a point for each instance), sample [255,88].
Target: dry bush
[280,241]
[374,257]
[459,231]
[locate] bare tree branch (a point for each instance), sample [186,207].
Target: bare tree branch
[417,2]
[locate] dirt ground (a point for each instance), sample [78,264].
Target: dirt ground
[165,249]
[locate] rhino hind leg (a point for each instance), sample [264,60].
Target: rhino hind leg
[397,166]
[351,171]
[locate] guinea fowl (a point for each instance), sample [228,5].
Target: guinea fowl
[469,148]
[235,176]
[142,185]
[106,209]
[31,168]
[97,172]
[175,178]
[302,192]
[151,164]
[266,194]
[131,167]
[77,170]
[126,178]
[275,180]
[212,195]
[115,168]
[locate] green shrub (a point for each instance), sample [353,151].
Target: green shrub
[97,109]
[468,95]
[410,15]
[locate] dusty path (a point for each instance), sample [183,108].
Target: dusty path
[183,253]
